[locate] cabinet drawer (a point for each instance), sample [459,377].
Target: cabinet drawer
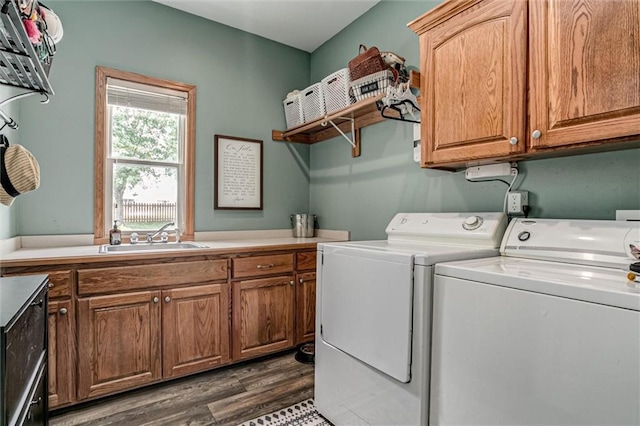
[60,284]
[305,260]
[262,265]
[124,278]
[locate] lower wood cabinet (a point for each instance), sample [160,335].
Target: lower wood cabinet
[61,353]
[121,325]
[305,307]
[195,329]
[263,316]
[129,340]
[118,342]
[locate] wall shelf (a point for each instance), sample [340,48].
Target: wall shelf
[19,63]
[348,120]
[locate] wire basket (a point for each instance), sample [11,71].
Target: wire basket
[372,84]
[313,102]
[293,110]
[335,88]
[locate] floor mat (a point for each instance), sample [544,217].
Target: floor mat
[301,414]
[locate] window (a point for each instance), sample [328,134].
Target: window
[144,156]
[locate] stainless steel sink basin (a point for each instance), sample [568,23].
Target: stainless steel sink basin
[106,248]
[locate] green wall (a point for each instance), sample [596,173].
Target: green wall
[241,81]
[362,194]
[9,215]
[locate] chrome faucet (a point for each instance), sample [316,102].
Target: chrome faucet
[151,235]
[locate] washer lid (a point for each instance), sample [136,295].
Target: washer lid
[422,254]
[606,286]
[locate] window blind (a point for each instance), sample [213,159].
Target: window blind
[135,95]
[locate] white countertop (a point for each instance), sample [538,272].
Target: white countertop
[34,248]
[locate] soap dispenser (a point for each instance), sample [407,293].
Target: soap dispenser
[115,235]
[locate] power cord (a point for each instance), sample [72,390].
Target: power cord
[514,170]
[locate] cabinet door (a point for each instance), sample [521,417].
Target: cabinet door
[118,342]
[262,316]
[584,71]
[195,329]
[474,70]
[61,353]
[305,307]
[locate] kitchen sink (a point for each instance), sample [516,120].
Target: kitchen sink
[106,248]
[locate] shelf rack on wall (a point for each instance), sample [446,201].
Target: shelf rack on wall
[19,63]
[347,120]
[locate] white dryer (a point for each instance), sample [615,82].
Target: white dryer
[373,315]
[546,334]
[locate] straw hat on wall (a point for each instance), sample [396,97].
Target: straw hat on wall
[19,172]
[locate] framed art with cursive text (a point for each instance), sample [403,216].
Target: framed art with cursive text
[238,176]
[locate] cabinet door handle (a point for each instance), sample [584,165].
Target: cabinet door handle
[536,134]
[513,141]
[156,299]
[270,265]
[291,282]
[38,303]
[50,285]
[36,401]
[167,299]
[63,311]
[301,281]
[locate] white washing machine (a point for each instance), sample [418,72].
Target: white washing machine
[546,334]
[373,315]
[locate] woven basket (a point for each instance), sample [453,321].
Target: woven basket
[372,85]
[293,110]
[312,102]
[369,61]
[335,88]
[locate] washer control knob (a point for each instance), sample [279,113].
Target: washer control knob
[472,222]
[524,235]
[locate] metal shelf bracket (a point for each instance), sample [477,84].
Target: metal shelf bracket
[353,129]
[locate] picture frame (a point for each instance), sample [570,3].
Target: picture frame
[238,173]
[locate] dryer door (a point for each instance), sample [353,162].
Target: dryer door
[366,300]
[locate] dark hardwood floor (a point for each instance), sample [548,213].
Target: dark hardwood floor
[226,396]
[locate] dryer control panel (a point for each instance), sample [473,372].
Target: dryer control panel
[469,229]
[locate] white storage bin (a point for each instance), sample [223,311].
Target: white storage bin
[312,102]
[293,110]
[372,84]
[335,88]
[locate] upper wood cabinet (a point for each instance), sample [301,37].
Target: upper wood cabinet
[473,61]
[584,71]
[579,72]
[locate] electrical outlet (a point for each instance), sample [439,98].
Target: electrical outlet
[516,200]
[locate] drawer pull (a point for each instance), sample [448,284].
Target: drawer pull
[63,311]
[39,303]
[50,285]
[270,265]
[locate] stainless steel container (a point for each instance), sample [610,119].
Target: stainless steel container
[303,225]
